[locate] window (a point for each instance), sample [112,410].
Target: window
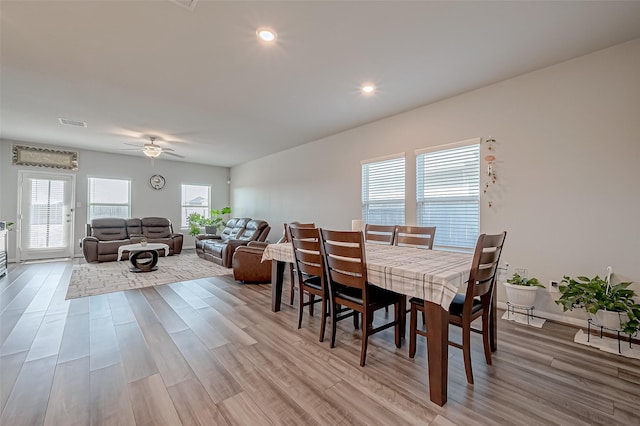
[383,191]
[195,199]
[448,193]
[109,198]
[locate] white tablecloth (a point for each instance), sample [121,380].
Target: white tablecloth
[433,275]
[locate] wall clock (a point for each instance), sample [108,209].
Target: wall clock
[157,182]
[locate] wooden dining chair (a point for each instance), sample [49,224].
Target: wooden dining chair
[285,239]
[415,236]
[309,266]
[475,303]
[379,234]
[346,266]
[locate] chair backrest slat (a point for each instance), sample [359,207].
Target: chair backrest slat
[484,267]
[344,257]
[379,234]
[415,236]
[306,250]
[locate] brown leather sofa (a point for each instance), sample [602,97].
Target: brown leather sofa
[106,235]
[238,232]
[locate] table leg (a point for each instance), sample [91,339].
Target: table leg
[277,277]
[493,322]
[437,351]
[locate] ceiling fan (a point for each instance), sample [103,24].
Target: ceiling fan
[152,150]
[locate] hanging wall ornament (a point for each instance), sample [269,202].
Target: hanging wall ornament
[490,174]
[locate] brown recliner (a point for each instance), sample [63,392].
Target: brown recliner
[238,232]
[248,266]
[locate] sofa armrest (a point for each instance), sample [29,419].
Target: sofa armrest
[90,249]
[178,240]
[233,244]
[258,244]
[256,251]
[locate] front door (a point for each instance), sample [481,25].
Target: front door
[45,219]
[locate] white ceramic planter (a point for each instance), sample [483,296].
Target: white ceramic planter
[608,319]
[520,295]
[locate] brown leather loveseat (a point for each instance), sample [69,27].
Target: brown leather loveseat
[238,232]
[106,235]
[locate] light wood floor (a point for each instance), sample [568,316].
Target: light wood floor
[211,352]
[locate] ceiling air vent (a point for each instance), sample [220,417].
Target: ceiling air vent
[189,4]
[67,122]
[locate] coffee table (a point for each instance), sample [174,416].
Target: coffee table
[143,264]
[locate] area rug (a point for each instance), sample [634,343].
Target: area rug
[89,279]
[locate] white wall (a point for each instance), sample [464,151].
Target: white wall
[145,201]
[568,149]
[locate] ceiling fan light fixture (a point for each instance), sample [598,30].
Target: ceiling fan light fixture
[152,151]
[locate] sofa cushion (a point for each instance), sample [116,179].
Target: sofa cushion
[252,230]
[134,227]
[109,247]
[109,229]
[156,227]
[233,228]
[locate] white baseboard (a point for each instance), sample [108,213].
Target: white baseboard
[553,317]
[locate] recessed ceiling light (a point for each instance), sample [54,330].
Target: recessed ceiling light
[266,34]
[368,88]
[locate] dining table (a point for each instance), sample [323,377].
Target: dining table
[434,276]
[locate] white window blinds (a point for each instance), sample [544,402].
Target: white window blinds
[448,194]
[383,191]
[109,198]
[195,199]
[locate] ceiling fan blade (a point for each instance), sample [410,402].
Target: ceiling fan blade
[166,149]
[130,149]
[175,155]
[133,144]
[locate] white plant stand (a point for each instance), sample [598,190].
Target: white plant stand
[619,332]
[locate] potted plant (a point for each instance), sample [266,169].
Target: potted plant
[195,223]
[211,224]
[521,291]
[143,241]
[611,306]
[216,220]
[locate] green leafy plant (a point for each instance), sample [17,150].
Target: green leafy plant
[594,294]
[217,218]
[197,221]
[516,279]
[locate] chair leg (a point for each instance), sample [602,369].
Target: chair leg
[356,317]
[486,338]
[300,307]
[412,331]
[466,350]
[312,299]
[324,318]
[334,314]
[293,284]
[365,336]
[398,309]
